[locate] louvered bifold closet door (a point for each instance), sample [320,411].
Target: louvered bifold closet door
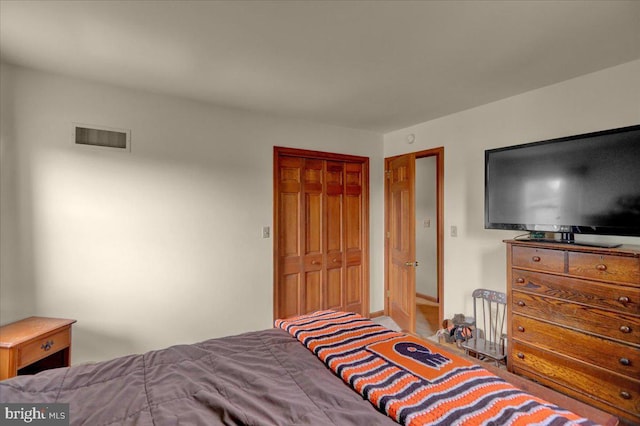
[320,245]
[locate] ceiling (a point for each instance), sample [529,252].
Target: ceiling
[374,65]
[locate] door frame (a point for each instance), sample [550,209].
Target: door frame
[438,153]
[279,152]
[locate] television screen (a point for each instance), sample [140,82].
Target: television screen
[580,184]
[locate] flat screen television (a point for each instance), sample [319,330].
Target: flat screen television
[587,184]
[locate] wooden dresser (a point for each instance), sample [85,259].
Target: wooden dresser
[34,344]
[574,321]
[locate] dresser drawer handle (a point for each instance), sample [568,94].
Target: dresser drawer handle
[521,303]
[536,258]
[625,329]
[521,329]
[625,361]
[625,395]
[520,280]
[47,345]
[623,299]
[520,355]
[601,267]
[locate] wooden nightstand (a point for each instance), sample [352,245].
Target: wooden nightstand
[34,344]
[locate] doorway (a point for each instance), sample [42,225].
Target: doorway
[427,297]
[414,209]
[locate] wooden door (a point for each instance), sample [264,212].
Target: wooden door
[313,259]
[401,262]
[334,232]
[320,229]
[356,237]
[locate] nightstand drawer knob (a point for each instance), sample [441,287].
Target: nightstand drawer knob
[520,355]
[625,395]
[521,303]
[625,329]
[536,258]
[521,329]
[625,361]
[623,299]
[520,280]
[601,267]
[47,345]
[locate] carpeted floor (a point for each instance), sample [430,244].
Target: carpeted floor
[387,322]
[391,324]
[427,322]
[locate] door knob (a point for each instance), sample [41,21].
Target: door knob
[411,263]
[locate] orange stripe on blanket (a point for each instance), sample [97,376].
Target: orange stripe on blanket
[363,368]
[376,395]
[301,321]
[348,359]
[348,331]
[326,330]
[541,414]
[326,352]
[360,383]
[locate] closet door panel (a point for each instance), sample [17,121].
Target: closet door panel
[290,244]
[313,206]
[334,223]
[334,289]
[353,216]
[313,223]
[354,285]
[288,291]
[313,291]
[289,295]
[334,235]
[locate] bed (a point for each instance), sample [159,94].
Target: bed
[326,368]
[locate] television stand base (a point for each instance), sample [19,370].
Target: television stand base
[575,243]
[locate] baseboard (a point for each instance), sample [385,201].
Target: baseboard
[376,314]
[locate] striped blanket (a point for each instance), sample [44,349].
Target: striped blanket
[415,382]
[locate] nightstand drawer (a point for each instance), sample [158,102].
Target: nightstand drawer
[611,268]
[540,259]
[43,347]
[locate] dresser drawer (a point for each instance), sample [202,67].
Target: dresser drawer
[537,258]
[609,296]
[43,346]
[604,267]
[590,383]
[615,356]
[608,324]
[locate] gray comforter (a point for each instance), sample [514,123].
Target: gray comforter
[258,378]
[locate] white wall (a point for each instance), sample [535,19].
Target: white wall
[158,246]
[477,257]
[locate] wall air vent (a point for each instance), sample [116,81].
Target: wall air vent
[101,136]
